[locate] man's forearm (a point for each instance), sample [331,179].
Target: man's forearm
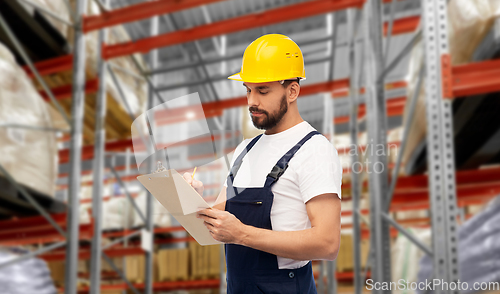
[306,244]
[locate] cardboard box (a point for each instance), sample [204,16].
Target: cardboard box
[193,257]
[57,272]
[205,261]
[135,268]
[173,264]
[345,258]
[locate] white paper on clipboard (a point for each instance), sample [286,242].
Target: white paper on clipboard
[181,200]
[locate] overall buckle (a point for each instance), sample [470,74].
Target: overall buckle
[235,168]
[277,171]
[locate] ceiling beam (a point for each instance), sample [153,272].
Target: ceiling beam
[249,21]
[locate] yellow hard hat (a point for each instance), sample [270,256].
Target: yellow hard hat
[270,58]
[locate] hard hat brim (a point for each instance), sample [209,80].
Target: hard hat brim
[236,77]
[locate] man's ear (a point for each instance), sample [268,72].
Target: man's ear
[293,92]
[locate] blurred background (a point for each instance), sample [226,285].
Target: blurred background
[76,74]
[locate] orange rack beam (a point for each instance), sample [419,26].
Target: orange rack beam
[249,21]
[65,92]
[116,251]
[388,86]
[88,150]
[161,286]
[139,11]
[395,107]
[50,66]
[403,25]
[476,78]
[33,230]
[85,254]
[343,276]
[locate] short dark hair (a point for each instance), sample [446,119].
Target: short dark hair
[286,83]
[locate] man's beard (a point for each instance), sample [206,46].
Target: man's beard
[270,121]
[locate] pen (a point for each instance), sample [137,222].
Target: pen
[192,176]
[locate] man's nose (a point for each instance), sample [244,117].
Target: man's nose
[252,99]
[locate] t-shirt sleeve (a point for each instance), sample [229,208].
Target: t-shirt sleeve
[236,153]
[320,171]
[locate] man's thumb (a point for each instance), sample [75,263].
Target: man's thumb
[187,177]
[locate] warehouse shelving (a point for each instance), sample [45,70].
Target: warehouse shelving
[472,186]
[442,82]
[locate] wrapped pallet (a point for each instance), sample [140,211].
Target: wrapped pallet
[468,22]
[161,217]
[405,255]
[118,120]
[29,155]
[478,249]
[27,276]
[117,213]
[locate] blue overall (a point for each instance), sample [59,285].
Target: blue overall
[251,271]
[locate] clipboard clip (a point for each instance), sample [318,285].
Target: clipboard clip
[159,167]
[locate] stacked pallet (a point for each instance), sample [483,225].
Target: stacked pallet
[28,275]
[193,263]
[118,120]
[135,268]
[173,264]
[345,258]
[25,152]
[205,261]
[58,272]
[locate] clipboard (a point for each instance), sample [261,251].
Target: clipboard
[181,200]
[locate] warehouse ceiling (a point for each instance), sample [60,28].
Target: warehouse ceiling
[193,77]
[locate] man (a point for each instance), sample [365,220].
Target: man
[281,207]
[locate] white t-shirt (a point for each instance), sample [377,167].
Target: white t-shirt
[314,170]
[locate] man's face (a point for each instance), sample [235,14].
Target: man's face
[267,104]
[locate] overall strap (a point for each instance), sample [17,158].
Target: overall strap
[238,161]
[282,164]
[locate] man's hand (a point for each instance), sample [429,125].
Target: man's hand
[222,225]
[197,185]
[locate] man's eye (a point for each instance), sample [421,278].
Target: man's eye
[263,93]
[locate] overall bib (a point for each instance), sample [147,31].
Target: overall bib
[251,271]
